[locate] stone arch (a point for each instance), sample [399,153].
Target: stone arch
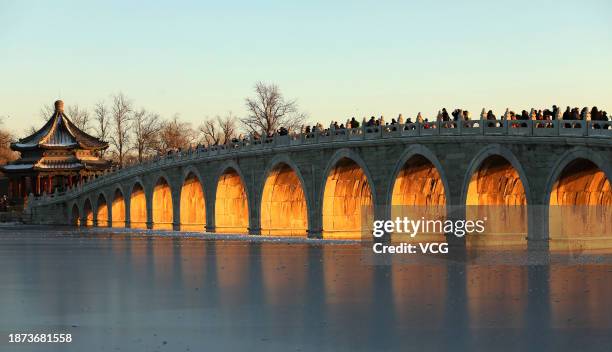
[102,211]
[138,206]
[162,204]
[418,188]
[192,202]
[75,215]
[496,189]
[566,159]
[579,196]
[581,182]
[495,150]
[347,196]
[231,200]
[284,204]
[118,208]
[88,213]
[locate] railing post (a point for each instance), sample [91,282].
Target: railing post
[530,126]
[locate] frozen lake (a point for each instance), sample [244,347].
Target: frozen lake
[135,292]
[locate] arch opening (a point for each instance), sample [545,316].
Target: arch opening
[118,209]
[102,212]
[162,205]
[418,192]
[88,212]
[231,205]
[138,208]
[496,196]
[347,201]
[580,208]
[193,207]
[283,204]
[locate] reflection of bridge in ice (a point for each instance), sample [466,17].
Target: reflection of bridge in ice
[318,184]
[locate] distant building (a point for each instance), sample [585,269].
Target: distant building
[56,157]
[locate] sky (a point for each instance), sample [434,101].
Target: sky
[337,58]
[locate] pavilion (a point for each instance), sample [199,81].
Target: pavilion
[57,156]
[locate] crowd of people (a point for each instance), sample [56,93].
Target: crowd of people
[446,120]
[450,120]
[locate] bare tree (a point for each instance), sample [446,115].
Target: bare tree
[30,130]
[219,130]
[46,111]
[175,134]
[146,127]
[102,121]
[268,111]
[6,154]
[228,126]
[121,109]
[79,116]
[211,132]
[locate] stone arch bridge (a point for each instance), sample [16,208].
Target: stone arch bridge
[320,184]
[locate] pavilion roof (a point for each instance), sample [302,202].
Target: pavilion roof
[59,133]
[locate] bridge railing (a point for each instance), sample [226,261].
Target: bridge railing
[536,128]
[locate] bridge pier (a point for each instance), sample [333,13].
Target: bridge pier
[538,236]
[316,233]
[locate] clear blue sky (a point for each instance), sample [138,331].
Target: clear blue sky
[337,58]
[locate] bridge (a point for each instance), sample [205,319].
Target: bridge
[320,184]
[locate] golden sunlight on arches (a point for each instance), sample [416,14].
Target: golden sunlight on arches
[283,204]
[418,193]
[347,201]
[231,206]
[496,193]
[88,211]
[118,209]
[580,213]
[162,205]
[138,208]
[102,213]
[193,209]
